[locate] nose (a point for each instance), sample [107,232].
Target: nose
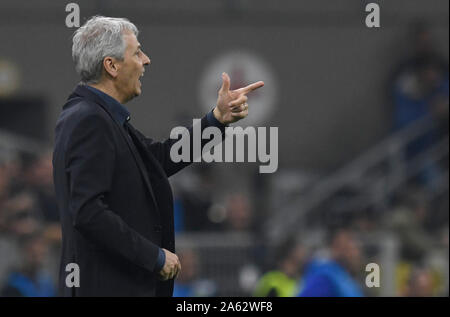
[147,60]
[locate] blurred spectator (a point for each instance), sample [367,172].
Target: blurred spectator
[336,276]
[420,284]
[239,213]
[283,280]
[19,216]
[38,178]
[188,284]
[29,279]
[419,84]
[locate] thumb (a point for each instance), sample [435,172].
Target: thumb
[225,83]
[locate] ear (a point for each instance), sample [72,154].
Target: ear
[111,66]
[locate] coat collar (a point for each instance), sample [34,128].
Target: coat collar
[118,111]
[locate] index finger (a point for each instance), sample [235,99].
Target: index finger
[250,88]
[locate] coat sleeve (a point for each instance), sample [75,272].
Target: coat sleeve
[161,150]
[90,165]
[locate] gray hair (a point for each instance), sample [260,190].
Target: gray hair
[98,38]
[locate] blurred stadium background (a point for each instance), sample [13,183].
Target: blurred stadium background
[363,140]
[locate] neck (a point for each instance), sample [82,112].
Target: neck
[109,89]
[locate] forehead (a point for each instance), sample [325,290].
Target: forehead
[131,40]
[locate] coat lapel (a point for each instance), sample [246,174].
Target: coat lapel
[141,142]
[139,163]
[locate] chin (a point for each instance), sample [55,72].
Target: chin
[133,95]
[138,91]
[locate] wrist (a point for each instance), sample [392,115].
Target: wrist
[161,260]
[218,115]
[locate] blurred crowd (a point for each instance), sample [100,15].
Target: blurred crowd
[30,234]
[418,89]
[29,228]
[416,216]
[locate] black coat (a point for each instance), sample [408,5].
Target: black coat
[114,198]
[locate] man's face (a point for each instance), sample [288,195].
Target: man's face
[347,251]
[131,69]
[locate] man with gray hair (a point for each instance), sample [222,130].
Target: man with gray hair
[111,181]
